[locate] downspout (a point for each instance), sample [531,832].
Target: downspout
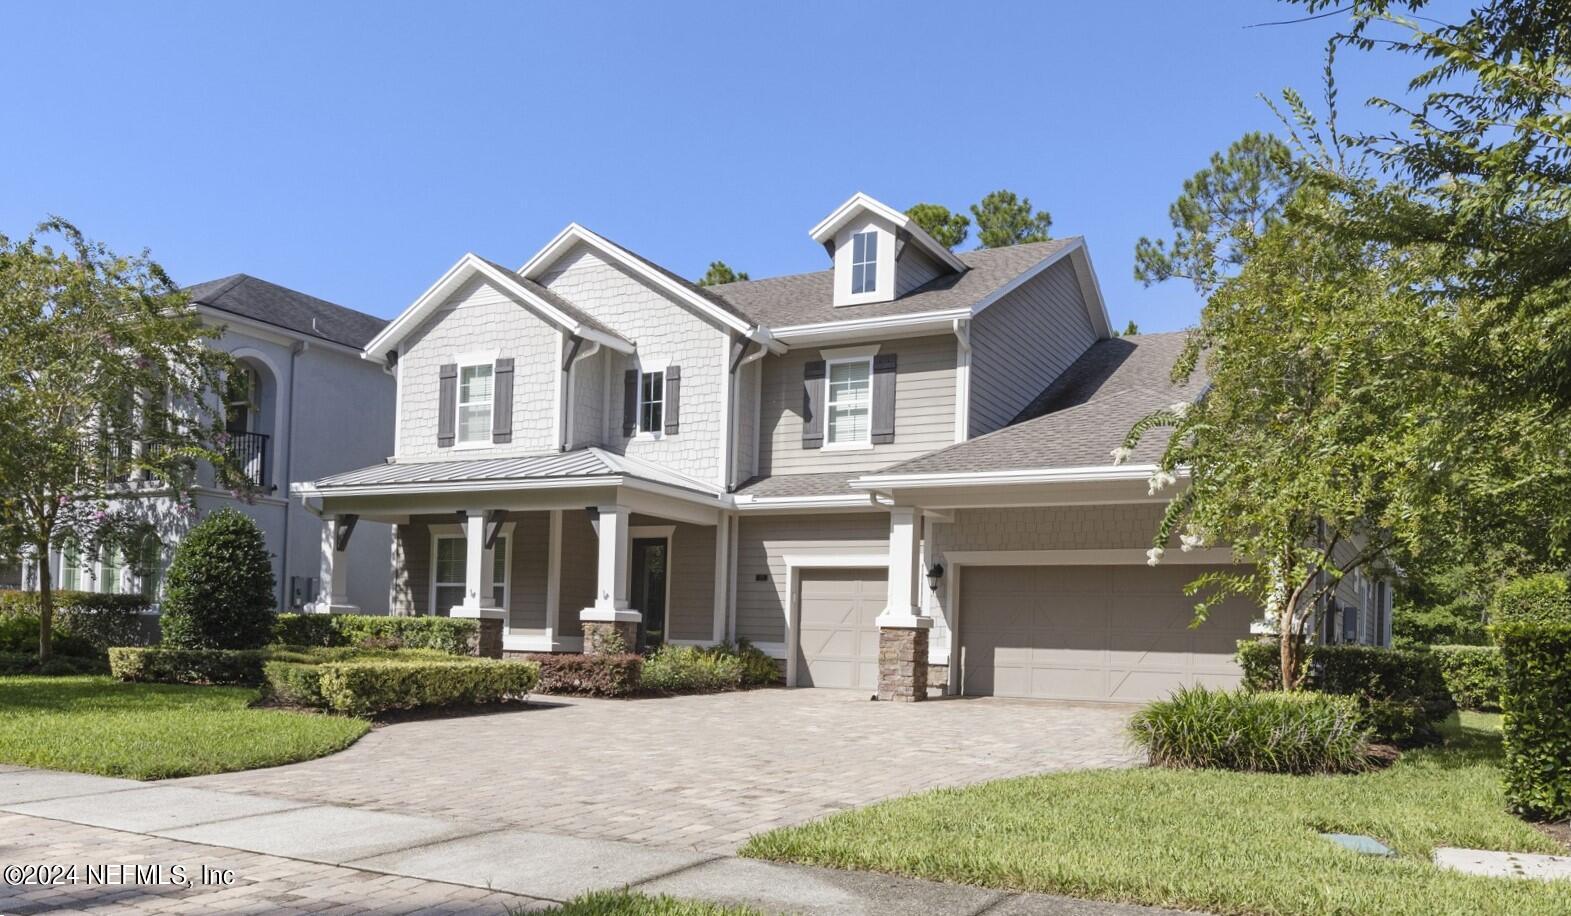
[289,460]
[759,340]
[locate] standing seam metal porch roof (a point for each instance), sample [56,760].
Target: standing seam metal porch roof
[584,464]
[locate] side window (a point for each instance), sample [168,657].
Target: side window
[651,402]
[864,262]
[850,401]
[474,404]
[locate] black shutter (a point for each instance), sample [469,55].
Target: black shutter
[447,404]
[502,402]
[673,399]
[883,399]
[630,402]
[813,404]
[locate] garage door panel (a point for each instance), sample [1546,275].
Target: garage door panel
[1130,641]
[837,632]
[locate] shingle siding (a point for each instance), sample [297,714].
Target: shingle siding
[479,317]
[1023,341]
[924,409]
[589,401]
[763,542]
[666,334]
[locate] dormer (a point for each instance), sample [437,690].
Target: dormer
[879,253]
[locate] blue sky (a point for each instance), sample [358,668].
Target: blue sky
[354,151]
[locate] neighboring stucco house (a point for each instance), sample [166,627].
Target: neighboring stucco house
[893,472]
[302,403]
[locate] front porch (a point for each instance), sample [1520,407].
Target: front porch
[579,557]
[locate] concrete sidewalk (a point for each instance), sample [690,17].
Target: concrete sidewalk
[537,869]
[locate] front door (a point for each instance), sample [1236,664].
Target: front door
[649,588]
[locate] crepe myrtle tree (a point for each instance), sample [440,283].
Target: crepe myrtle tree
[105,406]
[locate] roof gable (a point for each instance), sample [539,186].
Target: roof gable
[539,300]
[860,203]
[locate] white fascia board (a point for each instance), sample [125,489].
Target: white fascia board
[1091,290]
[859,203]
[826,331]
[1022,476]
[575,233]
[761,503]
[510,486]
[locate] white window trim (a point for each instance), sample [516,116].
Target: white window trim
[639,433]
[438,532]
[469,361]
[851,355]
[872,231]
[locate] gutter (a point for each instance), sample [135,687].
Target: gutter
[289,461]
[885,482]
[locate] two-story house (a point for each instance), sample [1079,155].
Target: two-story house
[895,468]
[301,402]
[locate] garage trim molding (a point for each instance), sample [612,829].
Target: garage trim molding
[795,563]
[957,560]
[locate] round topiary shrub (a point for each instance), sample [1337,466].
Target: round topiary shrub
[218,593]
[1543,598]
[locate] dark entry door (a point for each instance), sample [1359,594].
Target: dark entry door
[650,557]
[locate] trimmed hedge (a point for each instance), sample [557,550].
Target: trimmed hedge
[242,667]
[1402,692]
[19,634]
[1254,731]
[371,687]
[1536,698]
[452,635]
[1543,597]
[86,618]
[1473,675]
[588,675]
[12,663]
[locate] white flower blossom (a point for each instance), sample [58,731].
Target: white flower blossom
[1189,542]
[1179,409]
[1159,480]
[1154,556]
[1121,454]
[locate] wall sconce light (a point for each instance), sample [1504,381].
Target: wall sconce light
[934,574]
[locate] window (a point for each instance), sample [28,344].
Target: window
[150,566]
[113,563]
[474,404]
[864,262]
[70,569]
[850,402]
[452,558]
[651,402]
[1350,617]
[241,390]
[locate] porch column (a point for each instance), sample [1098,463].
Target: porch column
[479,603]
[610,613]
[902,628]
[333,586]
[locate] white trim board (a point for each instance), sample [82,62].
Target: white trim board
[1130,556]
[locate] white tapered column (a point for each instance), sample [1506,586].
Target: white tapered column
[479,561]
[333,586]
[903,608]
[612,570]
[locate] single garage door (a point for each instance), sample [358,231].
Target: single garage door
[1110,633]
[837,644]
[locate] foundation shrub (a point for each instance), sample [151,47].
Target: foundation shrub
[1255,731]
[589,675]
[363,688]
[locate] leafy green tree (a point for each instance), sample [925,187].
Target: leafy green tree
[219,590]
[721,272]
[1004,219]
[1223,209]
[948,228]
[104,368]
[1129,330]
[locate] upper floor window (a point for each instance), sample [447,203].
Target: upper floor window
[850,402]
[864,262]
[651,402]
[474,403]
[242,390]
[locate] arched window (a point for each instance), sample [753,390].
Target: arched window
[242,399]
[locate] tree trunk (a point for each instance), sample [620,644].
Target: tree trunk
[46,604]
[1289,658]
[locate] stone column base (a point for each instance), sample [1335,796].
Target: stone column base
[600,636]
[488,642]
[902,664]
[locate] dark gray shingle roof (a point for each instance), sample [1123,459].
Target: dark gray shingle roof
[1082,416]
[259,300]
[833,483]
[810,299]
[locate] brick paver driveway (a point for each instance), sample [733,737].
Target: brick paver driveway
[702,772]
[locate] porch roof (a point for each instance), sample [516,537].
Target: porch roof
[582,466]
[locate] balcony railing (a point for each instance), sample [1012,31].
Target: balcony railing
[249,452]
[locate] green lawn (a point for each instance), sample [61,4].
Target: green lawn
[623,903]
[1223,842]
[155,731]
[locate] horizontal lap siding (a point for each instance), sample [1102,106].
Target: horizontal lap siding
[479,318]
[924,410]
[914,269]
[691,614]
[1022,342]
[666,333]
[411,569]
[580,560]
[763,542]
[531,550]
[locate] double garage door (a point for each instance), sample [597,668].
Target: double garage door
[1100,633]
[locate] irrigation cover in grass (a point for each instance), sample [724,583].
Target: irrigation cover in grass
[1364,845]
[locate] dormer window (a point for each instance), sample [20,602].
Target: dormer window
[864,262]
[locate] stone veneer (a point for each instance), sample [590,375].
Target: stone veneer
[596,631]
[902,664]
[488,642]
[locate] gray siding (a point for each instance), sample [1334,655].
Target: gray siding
[745,458]
[763,542]
[666,333]
[531,549]
[1023,341]
[412,568]
[580,550]
[913,269]
[589,401]
[924,410]
[479,317]
[691,613]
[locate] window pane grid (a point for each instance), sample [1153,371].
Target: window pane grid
[651,402]
[864,262]
[474,403]
[850,399]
